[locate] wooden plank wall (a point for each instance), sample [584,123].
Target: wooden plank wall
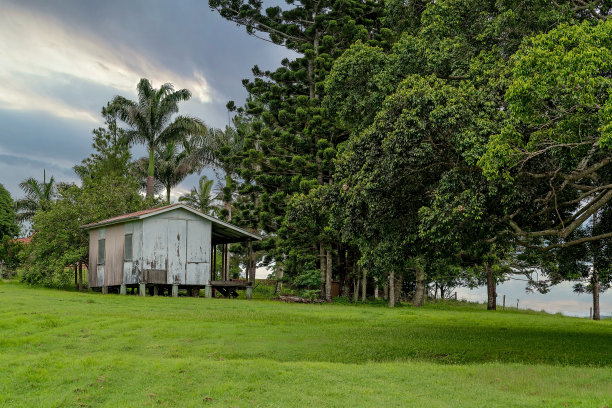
[113,265]
[92,279]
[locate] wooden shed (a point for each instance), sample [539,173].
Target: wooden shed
[166,248]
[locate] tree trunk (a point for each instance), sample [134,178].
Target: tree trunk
[227,200]
[168,194]
[279,279]
[151,173]
[355,289]
[595,285]
[227,204]
[441,291]
[342,275]
[392,289]
[595,276]
[491,288]
[364,283]
[251,263]
[76,276]
[328,275]
[419,291]
[322,268]
[375,288]
[397,286]
[80,276]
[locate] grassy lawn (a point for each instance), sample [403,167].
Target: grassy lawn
[67,349]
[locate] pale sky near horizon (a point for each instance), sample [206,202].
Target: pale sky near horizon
[62,60]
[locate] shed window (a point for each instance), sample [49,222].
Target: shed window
[101,247]
[128,247]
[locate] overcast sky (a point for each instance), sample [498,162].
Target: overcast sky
[62,60]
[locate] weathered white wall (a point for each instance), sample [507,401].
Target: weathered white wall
[100,268]
[179,242]
[132,269]
[177,237]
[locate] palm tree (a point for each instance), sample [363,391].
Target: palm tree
[151,121]
[200,197]
[38,197]
[173,164]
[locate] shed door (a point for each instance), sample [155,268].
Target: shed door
[177,237]
[198,252]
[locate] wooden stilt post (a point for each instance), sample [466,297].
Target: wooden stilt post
[208,291]
[80,276]
[214,262]
[225,262]
[123,289]
[174,290]
[104,290]
[155,290]
[375,288]
[142,288]
[250,263]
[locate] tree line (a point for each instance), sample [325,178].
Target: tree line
[428,143]
[411,146]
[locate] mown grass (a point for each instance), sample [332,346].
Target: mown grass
[64,349]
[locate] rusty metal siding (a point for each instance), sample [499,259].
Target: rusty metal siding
[92,280]
[113,264]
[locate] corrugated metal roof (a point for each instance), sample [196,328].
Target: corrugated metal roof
[224,231]
[25,241]
[125,217]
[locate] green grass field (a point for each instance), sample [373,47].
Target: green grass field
[68,349]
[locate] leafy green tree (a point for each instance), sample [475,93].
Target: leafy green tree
[59,242]
[153,122]
[111,149]
[200,197]
[444,79]
[556,142]
[38,197]
[8,219]
[291,143]
[11,254]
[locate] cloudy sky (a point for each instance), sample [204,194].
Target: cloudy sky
[62,60]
